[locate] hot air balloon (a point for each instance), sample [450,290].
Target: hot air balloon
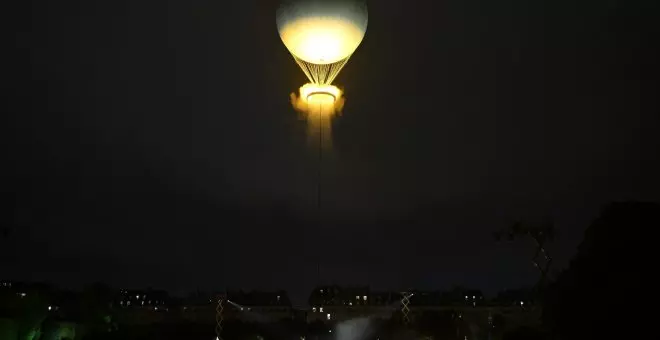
[322,34]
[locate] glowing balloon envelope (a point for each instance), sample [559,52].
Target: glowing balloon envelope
[322,34]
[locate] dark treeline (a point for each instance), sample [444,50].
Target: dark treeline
[598,296]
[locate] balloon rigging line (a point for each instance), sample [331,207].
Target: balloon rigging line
[321,74]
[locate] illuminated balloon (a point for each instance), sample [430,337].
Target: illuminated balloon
[322,34]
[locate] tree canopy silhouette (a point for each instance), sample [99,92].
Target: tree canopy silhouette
[608,277]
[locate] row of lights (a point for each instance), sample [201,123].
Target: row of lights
[155,308]
[144,297]
[128,303]
[357,297]
[350,303]
[137,297]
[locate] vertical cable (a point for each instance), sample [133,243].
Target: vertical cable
[318,191]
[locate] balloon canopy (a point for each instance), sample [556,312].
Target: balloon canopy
[322,34]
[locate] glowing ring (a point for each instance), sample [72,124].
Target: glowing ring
[322,92]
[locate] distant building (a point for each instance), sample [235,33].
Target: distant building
[151,299]
[473,298]
[335,303]
[339,296]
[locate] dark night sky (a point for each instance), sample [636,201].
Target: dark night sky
[152,143]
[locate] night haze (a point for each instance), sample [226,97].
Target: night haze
[153,143]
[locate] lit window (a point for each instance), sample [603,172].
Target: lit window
[321,309]
[278,298]
[465,297]
[50,308]
[364,298]
[328,316]
[314,309]
[473,297]
[350,303]
[23,294]
[155,308]
[321,290]
[357,297]
[143,303]
[521,303]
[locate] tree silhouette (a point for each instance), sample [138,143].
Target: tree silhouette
[540,235]
[606,284]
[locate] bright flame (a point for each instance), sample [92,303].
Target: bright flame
[311,91]
[318,103]
[318,100]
